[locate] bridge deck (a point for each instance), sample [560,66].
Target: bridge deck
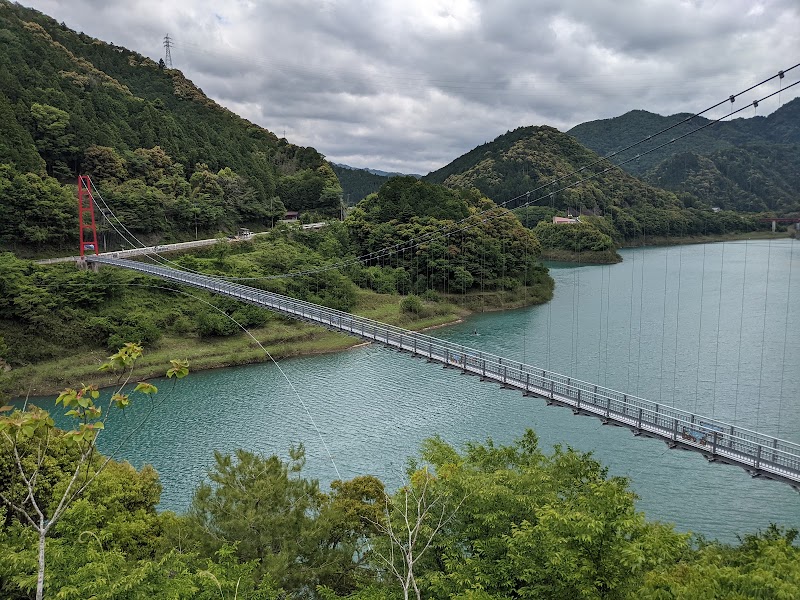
[759,454]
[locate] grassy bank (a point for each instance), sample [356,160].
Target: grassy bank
[612,256]
[280,337]
[704,239]
[605,257]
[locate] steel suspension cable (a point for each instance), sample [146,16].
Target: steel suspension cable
[786,332]
[739,345]
[763,334]
[677,324]
[630,322]
[503,211]
[397,247]
[700,329]
[663,325]
[641,309]
[719,320]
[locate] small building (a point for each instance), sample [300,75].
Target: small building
[291,215]
[562,220]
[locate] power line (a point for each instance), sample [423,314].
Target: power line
[493,213]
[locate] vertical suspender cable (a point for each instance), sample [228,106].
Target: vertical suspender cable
[700,329]
[663,325]
[608,330]
[525,283]
[578,308]
[719,318]
[763,335]
[739,345]
[630,319]
[677,325]
[641,307]
[600,323]
[576,304]
[785,336]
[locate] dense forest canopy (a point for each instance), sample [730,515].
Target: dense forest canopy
[545,160]
[747,164]
[47,311]
[456,240]
[536,166]
[357,184]
[487,521]
[72,104]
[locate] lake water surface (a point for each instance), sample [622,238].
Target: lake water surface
[711,328]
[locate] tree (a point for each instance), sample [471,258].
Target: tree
[765,565]
[537,525]
[298,536]
[104,165]
[411,522]
[26,436]
[52,139]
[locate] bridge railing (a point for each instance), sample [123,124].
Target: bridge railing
[711,436]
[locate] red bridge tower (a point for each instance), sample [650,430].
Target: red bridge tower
[86,205]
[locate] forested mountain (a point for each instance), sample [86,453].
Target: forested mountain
[620,206]
[357,184]
[170,157]
[753,177]
[744,164]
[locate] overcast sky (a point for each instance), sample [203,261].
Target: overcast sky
[410,85]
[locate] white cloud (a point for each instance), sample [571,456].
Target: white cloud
[412,85]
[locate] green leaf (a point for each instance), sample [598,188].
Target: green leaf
[67,397]
[180,369]
[145,388]
[120,400]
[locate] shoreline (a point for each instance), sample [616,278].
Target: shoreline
[705,239]
[281,342]
[608,258]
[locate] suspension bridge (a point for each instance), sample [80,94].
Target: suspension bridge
[718,441]
[761,455]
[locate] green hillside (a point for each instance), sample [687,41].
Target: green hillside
[72,104]
[357,184]
[745,164]
[757,177]
[615,206]
[531,157]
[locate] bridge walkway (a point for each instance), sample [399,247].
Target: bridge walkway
[759,454]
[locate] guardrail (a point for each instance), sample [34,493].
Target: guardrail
[759,454]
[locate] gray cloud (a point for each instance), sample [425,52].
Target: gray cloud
[411,85]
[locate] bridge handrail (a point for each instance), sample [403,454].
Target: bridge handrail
[686,426]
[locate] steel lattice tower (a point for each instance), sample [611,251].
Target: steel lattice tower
[167,54]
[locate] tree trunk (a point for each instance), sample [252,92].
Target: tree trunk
[40,576]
